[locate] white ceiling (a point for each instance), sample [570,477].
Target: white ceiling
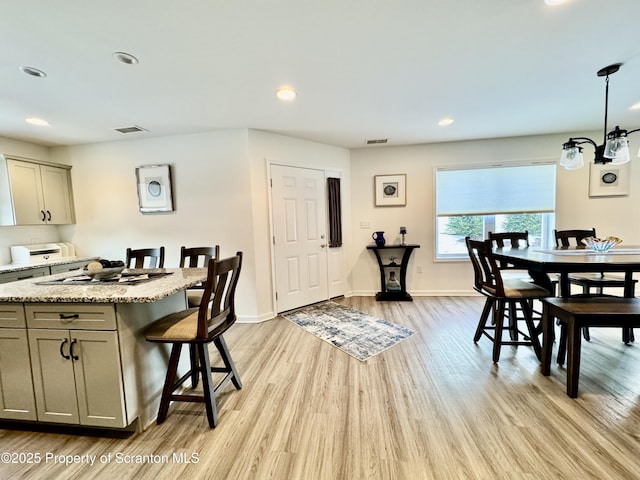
[363,69]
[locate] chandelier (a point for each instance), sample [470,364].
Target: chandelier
[615,146]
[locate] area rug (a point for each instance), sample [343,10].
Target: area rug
[352,331]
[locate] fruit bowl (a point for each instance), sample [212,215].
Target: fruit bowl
[103,269]
[104,273]
[601,244]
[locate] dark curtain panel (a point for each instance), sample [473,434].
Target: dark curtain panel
[335,213]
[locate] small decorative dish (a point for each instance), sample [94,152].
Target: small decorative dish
[104,273]
[601,244]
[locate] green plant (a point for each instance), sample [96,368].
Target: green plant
[466,226]
[519,222]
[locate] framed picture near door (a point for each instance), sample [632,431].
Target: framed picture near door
[608,180]
[390,190]
[154,188]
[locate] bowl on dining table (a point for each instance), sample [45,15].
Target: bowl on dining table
[601,244]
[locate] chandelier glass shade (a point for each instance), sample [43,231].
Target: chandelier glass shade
[615,147]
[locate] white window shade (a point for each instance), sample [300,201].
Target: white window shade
[496,190]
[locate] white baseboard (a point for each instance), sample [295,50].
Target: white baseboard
[256,319]
[422,293]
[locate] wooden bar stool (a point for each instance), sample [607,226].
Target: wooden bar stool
[575,313]
[197,257]
[502,294]
[154,258]
[199,327]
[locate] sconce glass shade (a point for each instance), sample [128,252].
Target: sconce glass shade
[621,153]
[571,158]
[617,147]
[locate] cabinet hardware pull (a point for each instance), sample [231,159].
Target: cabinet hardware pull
[73,342]
[66,357]
[73,316]
[44,215]
[48,215]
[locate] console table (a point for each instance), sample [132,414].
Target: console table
[402,294]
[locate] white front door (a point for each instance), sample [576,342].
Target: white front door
[300,244]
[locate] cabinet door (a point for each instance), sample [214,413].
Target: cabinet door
[98,378]
[26,192]
[53,379]
[23,274]
[56,194]
[16,388]
[67,267]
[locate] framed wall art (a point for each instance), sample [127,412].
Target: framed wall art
[154,188]
[390,190]
[608,180]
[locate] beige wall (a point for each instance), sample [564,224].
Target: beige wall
[610,215]
[220,187]
[211,193]
[220,192]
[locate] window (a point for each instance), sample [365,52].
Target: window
[474,201]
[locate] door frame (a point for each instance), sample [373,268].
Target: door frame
[327,172]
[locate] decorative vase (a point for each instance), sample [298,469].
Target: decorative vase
[378,237]
[393,285]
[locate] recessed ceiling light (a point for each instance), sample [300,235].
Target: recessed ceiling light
[445,122]
[554,2]
[34,72]
[40,122]
[125,58]
[635,106]
[286,93]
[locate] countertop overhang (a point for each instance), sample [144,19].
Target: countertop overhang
[18,267]
[30,291]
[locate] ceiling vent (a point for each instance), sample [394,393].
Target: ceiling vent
[376,141]
[132,129]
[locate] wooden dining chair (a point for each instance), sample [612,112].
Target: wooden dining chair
[515,240]
[510,240]
[145,258]
[502,293]
[199,327]
[591,283]
[197,257]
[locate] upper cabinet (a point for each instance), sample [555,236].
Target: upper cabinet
[40,194]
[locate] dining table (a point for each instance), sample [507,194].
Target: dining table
[540,262]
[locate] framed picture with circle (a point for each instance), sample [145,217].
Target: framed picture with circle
[154,188]
[608,180]
[390,190]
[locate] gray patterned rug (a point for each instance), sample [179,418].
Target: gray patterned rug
[352,331]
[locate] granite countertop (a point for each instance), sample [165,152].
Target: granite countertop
[30,290]
[17,267]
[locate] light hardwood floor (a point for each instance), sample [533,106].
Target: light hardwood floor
[432,407]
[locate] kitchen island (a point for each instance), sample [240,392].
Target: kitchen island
[72,350]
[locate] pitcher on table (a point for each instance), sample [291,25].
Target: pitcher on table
[378,237]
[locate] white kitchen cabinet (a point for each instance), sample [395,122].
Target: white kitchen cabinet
[23,274]
[17,401]
[76,365]
[40,193]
